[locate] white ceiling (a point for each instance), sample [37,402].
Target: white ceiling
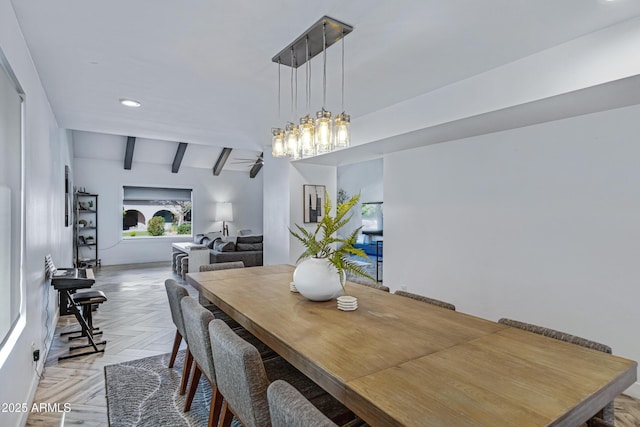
[203,70]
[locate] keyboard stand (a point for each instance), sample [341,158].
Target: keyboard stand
[67,285]
[86,332]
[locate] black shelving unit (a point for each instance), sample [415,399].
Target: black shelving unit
[86,230]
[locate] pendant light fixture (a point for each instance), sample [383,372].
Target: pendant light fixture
[324,124]
[307,128]
[342,127]
[277,134]
[292,133]
[320,135]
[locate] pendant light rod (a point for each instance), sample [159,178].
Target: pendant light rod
[291,82]
[334,32]
[308,77]
[279,103]
[342,74]
[324,66]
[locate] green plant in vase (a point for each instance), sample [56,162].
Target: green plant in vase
[326,252]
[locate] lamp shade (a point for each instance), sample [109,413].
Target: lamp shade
[224,211]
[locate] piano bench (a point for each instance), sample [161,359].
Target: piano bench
[89,297]
[87,300]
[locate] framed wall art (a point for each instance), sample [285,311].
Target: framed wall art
[313,200]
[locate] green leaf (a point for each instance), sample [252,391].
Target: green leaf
[324,243]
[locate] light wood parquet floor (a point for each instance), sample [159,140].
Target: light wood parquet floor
[137,323]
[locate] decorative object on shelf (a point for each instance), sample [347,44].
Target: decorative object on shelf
[322,267]
[86,232]
[324,134]
[313,203]
[224,213]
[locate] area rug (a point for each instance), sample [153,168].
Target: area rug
[145,392]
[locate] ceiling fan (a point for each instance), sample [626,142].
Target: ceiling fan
[256,164]
[250,162]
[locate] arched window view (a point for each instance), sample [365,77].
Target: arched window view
[156,212]
[133,218]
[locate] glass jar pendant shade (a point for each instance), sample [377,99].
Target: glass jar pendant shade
[342,131]
[277,141]
[324,132]
[307,131]
[292,141]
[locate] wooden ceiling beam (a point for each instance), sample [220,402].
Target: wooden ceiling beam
[255,169]
[222,159]
[177,160]
[128,155]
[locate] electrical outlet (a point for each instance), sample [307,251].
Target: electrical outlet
[36,355]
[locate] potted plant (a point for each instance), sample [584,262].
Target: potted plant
[322,267]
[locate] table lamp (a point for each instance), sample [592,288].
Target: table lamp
[224,213]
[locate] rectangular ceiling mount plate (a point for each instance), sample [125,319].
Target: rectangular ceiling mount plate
[335,31]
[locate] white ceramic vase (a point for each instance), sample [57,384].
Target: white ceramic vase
[316,279]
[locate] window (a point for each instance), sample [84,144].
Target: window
[372,217]
[156,212]
[10,209]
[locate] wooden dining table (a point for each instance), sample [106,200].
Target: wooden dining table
[398,361]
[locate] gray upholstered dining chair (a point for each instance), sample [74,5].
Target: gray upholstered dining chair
[243,378]
[219,314]
[607,414]
[196,324]
[289,408]
[265,351]
[175,293]
[222,266]
[428,300]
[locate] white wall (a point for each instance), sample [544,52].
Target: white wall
[539,224]
[364,178]
[276,209]
[47,151]
[236,187]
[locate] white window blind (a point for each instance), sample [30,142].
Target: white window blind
[10,205]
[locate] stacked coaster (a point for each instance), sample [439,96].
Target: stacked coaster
[292,287]
[347,303]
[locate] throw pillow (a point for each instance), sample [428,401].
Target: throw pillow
[221,246]
[210,244]
[249,239]
[248,247]
[199,238]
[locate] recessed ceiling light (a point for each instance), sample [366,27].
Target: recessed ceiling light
[130,103]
